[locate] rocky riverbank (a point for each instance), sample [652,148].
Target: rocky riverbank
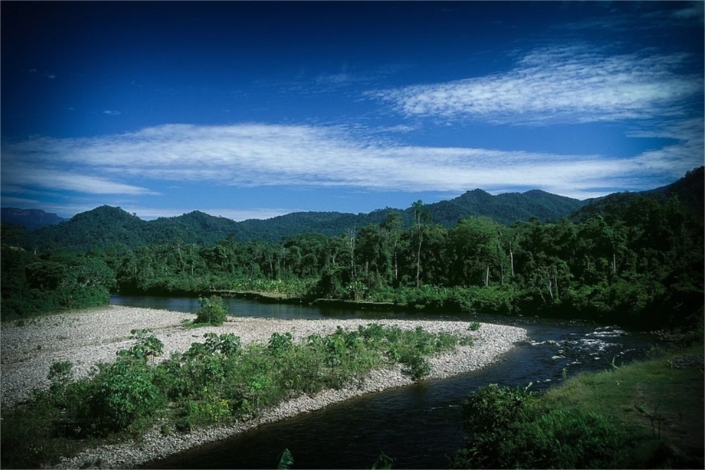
[88,337]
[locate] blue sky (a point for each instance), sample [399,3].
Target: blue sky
[257,109]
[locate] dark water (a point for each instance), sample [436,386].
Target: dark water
[417,425]
[248,308]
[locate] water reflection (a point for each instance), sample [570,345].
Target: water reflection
[248,308]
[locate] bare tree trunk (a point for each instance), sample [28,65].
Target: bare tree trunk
[487,276]
[555,280]
[351,240]
[418,262]
[511,258]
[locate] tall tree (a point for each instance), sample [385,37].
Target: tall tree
[421,216]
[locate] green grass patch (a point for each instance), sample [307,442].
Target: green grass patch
[643,415]
[216,381]
[660,402]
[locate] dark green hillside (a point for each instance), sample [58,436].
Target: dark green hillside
[505,208]
[30,219]
[194,227]
[689,190]
[297,223]
[106,226]
[552,202]
[95,229]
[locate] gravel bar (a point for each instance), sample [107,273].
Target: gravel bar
[91,336]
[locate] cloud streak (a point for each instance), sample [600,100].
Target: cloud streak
[558,84]
[257,155]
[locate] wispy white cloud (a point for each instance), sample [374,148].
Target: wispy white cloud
[110,112]
[685,153]
[559,84]
[22,175]
[251,155]
[403,128]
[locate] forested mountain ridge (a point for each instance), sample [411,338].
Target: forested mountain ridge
[105,225]
[505,208]
[28,218]
[639,264]
[689,190]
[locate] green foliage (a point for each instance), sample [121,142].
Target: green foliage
[279,343]
[383,462]
[286,461]
[214,381]
[34,285]
[226,344]
[148,346]
[212,311]
[511,428]
[639,262]
[121,396]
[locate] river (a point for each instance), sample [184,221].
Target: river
[418,425]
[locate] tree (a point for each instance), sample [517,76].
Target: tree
[421,216]
[476,249]
[391,228]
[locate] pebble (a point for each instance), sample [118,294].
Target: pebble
[96,335]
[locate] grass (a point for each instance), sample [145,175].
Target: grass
[646,414]
[661,406]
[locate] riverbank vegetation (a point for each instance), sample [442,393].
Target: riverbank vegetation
[216,381]
[643,415]
[636,263]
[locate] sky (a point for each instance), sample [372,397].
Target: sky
[258,109]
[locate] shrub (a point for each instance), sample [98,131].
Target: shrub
[212,311]
[511,429]
[148,346]
[122,394]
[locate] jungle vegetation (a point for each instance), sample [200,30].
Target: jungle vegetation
[633,261]
[218,380]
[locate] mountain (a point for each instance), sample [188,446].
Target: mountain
[689,190]
[31,219]
[506,208]
[98,228]
[296,223]
[105,226]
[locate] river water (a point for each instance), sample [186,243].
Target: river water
[419,425]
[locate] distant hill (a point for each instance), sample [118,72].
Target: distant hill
[506,208]
[690,191]
[105,226]
[30,219]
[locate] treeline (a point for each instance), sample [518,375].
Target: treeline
[106,226]
[34,285]
[639,263]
